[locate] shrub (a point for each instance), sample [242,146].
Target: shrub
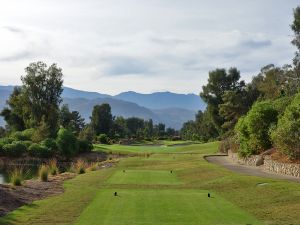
[4,141]
[25,135]
[93,167]
[43,173]
[18,136]
[84,146]
[253,130]
[51,144]
[27,143]
[16,177]
[103,138]
[80,166]
[67,142]
[281,104]
[53,167]
[14,149]
[286,134]
[39,150]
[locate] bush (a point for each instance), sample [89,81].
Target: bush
[103,139]
[253,130]
[43,173]
[4,141]
[51,144]
[80,166]
[286,134]
[84,146]
[39,150]
[281,104]
[16,177]
[27,143]
[66,142]
[53,167]
[15,149]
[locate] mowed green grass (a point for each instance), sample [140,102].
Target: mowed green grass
[162,207]
[155,177]
[156,200]
[165,147]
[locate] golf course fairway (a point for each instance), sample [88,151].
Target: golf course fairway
[165,185]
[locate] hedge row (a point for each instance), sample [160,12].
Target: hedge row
[65,144]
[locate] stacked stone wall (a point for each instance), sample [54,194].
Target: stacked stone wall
[267,164]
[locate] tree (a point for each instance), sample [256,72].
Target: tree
[286,135]
[119,129]
[159,130]
[296,28]
[253,129]
[148,129]
[71,120]
[87,133]
[102,120]
[235,104]
[189,131]
[42,87]
[15,114]
[296,41]
[2,132]
[170,132]
[67,142]
[134,125]
[219,82]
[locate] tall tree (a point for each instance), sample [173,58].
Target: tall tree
[42,86]
[71,120]
[219,81]
[148,130]
[296,41]
[14,114]
[134,126]
[102,119]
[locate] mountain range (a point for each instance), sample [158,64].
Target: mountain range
[166,107]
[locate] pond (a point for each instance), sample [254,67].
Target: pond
[28,172]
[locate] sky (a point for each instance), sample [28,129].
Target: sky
[111,46]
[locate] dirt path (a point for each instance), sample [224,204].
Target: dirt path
[248,170]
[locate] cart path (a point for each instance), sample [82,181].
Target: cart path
[248,170]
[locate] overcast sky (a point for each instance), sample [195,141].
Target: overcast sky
[110,46]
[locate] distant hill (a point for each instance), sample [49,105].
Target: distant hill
[166,107]
[174,117]
[161,100]
[73,93]
[119,107]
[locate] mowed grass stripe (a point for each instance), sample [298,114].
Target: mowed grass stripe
[162,207]
[156,177]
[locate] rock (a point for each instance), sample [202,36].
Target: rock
[259,161]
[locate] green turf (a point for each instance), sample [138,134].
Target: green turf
[162,207]
[176,147]
[155,197]
[155,177]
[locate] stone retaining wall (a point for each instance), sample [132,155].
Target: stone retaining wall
[250,161]
[267,164]
[291,169]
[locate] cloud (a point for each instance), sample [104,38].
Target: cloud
[113,46]
[125,66]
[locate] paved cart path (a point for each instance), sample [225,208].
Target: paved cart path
[248,170]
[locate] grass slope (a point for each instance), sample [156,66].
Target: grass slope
[149,194]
